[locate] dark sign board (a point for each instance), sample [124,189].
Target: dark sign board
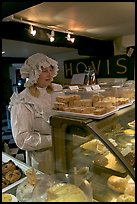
[118,66]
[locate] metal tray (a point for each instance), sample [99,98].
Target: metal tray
[5,158]
[92,116]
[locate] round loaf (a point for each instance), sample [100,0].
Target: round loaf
[117,184]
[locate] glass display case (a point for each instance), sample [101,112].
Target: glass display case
[102,151]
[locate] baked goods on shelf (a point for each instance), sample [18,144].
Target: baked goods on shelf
[5,182]
[10,173]
[8,166]
[117,184]
[130,189]
[94,145]
[125,198]
[129,132]
[132,124]
[131,158]
[13,176]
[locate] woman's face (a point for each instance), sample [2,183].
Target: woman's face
[45,77]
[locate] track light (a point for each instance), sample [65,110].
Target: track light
[69,38]
[51,36]
[32,31]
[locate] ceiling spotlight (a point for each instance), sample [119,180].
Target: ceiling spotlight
[32,31]
[51,36]
[69,38]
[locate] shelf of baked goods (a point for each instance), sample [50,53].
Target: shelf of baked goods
[103,152]
[96,104]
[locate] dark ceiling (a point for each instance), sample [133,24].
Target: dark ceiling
[9,8]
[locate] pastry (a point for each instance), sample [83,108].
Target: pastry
[99,111]
[130,189]
[125,198]
[88,110]
[59,106]
[67,98]
[117,184]
[13,176]
[131,158]
[103,104]
[8,166]
[5,182]
[129,132]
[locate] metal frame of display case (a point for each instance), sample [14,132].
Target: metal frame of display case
[62,126]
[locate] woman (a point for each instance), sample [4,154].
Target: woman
[30,111]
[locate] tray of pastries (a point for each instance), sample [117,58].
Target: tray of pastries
[96,107]
[10,173]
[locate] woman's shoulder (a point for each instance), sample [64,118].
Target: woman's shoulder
[20,98]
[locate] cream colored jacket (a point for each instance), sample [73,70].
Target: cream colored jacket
[30,126]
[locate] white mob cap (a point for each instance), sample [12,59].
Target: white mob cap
[32,68]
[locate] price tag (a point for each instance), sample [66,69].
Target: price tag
[126,151]
[88,88]
[96,87]
[74,88]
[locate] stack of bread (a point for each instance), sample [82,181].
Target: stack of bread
[96,105]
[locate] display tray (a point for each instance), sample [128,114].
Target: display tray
[5,158]
[92,116]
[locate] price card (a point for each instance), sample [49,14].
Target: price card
[126,151]
[72,88]
[88,88]
[96,87]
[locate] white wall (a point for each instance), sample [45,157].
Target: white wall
[121,44]
[61,58]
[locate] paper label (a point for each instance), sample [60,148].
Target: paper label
[88,88]
[73,87]
[96,87]
[126,151]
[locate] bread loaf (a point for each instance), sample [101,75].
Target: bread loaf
[117,184]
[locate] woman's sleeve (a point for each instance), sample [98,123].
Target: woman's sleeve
[22,130]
